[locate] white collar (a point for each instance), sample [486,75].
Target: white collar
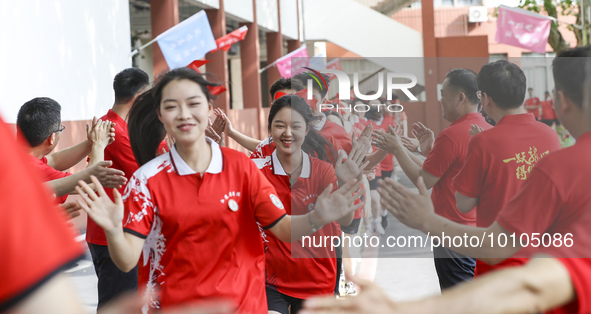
[278,169]
[320,125]
[215,165]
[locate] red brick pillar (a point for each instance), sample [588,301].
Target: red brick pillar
[218,66]
[164,14]
[250,65]
[432,107]
[274,50]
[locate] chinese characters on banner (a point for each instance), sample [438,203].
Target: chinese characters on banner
[189,40]
[521,28]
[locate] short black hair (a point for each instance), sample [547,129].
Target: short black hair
[504,82]
[464,80]
[568,70]
[38,118]
[285,83]
[128,83]
[305,76]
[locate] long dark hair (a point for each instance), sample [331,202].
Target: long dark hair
[146,132]
[314,143]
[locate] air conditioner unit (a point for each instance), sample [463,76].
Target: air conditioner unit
[477,14]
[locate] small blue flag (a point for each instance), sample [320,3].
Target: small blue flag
[187,41]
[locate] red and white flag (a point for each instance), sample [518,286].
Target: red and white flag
[522,28]
[288,67]
[334,64]
[225,42]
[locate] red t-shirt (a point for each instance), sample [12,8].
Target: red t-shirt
[35,240]
[563,207]
[554,199]
[445,160]
[295,269]
[201,232]
[579,270]
[337,136]
[264,149]
[548,112]
[499,161]
[48,173]
[535,101]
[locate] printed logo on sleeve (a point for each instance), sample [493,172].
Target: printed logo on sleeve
[276,201]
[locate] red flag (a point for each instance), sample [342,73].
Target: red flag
[214,90]
[334,64]
[311,102]
[226,41]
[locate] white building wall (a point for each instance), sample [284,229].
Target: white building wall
[68,50]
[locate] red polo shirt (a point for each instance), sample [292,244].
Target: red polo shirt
[535,101]
[554,198]
[295,269]
[48,173]
[563,207]
[499,161]
[202,231]
[35,240]
[445,160]
[548,112]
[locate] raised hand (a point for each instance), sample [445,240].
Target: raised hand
[106,213]
[211,133]
[109,177]
[389,142]
[475,129]
[72,209]
[354,166]
[410,143]
[366,133]
[410,208]
[102,134]
[228,128]
[219,124]
[333,206]
[425,136]
[89,128]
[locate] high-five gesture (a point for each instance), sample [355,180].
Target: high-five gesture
[333,206]
[353,166]
[106,213]
[425,136]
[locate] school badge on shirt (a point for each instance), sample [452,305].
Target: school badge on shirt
[276,201]
[233,205]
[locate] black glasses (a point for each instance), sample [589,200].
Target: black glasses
[60,130]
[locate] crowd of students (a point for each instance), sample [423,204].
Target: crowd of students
[175,214]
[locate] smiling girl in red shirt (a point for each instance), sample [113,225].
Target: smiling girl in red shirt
[295,271]
[194,212]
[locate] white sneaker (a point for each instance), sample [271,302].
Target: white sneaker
[350,289]
[377,226]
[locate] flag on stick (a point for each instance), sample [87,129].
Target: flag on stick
[189,40]
[226,41]
[214,90]
[522,28]
[288,67]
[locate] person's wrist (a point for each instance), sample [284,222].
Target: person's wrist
[315,220]
[117,230]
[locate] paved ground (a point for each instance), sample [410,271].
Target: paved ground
[403,273]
